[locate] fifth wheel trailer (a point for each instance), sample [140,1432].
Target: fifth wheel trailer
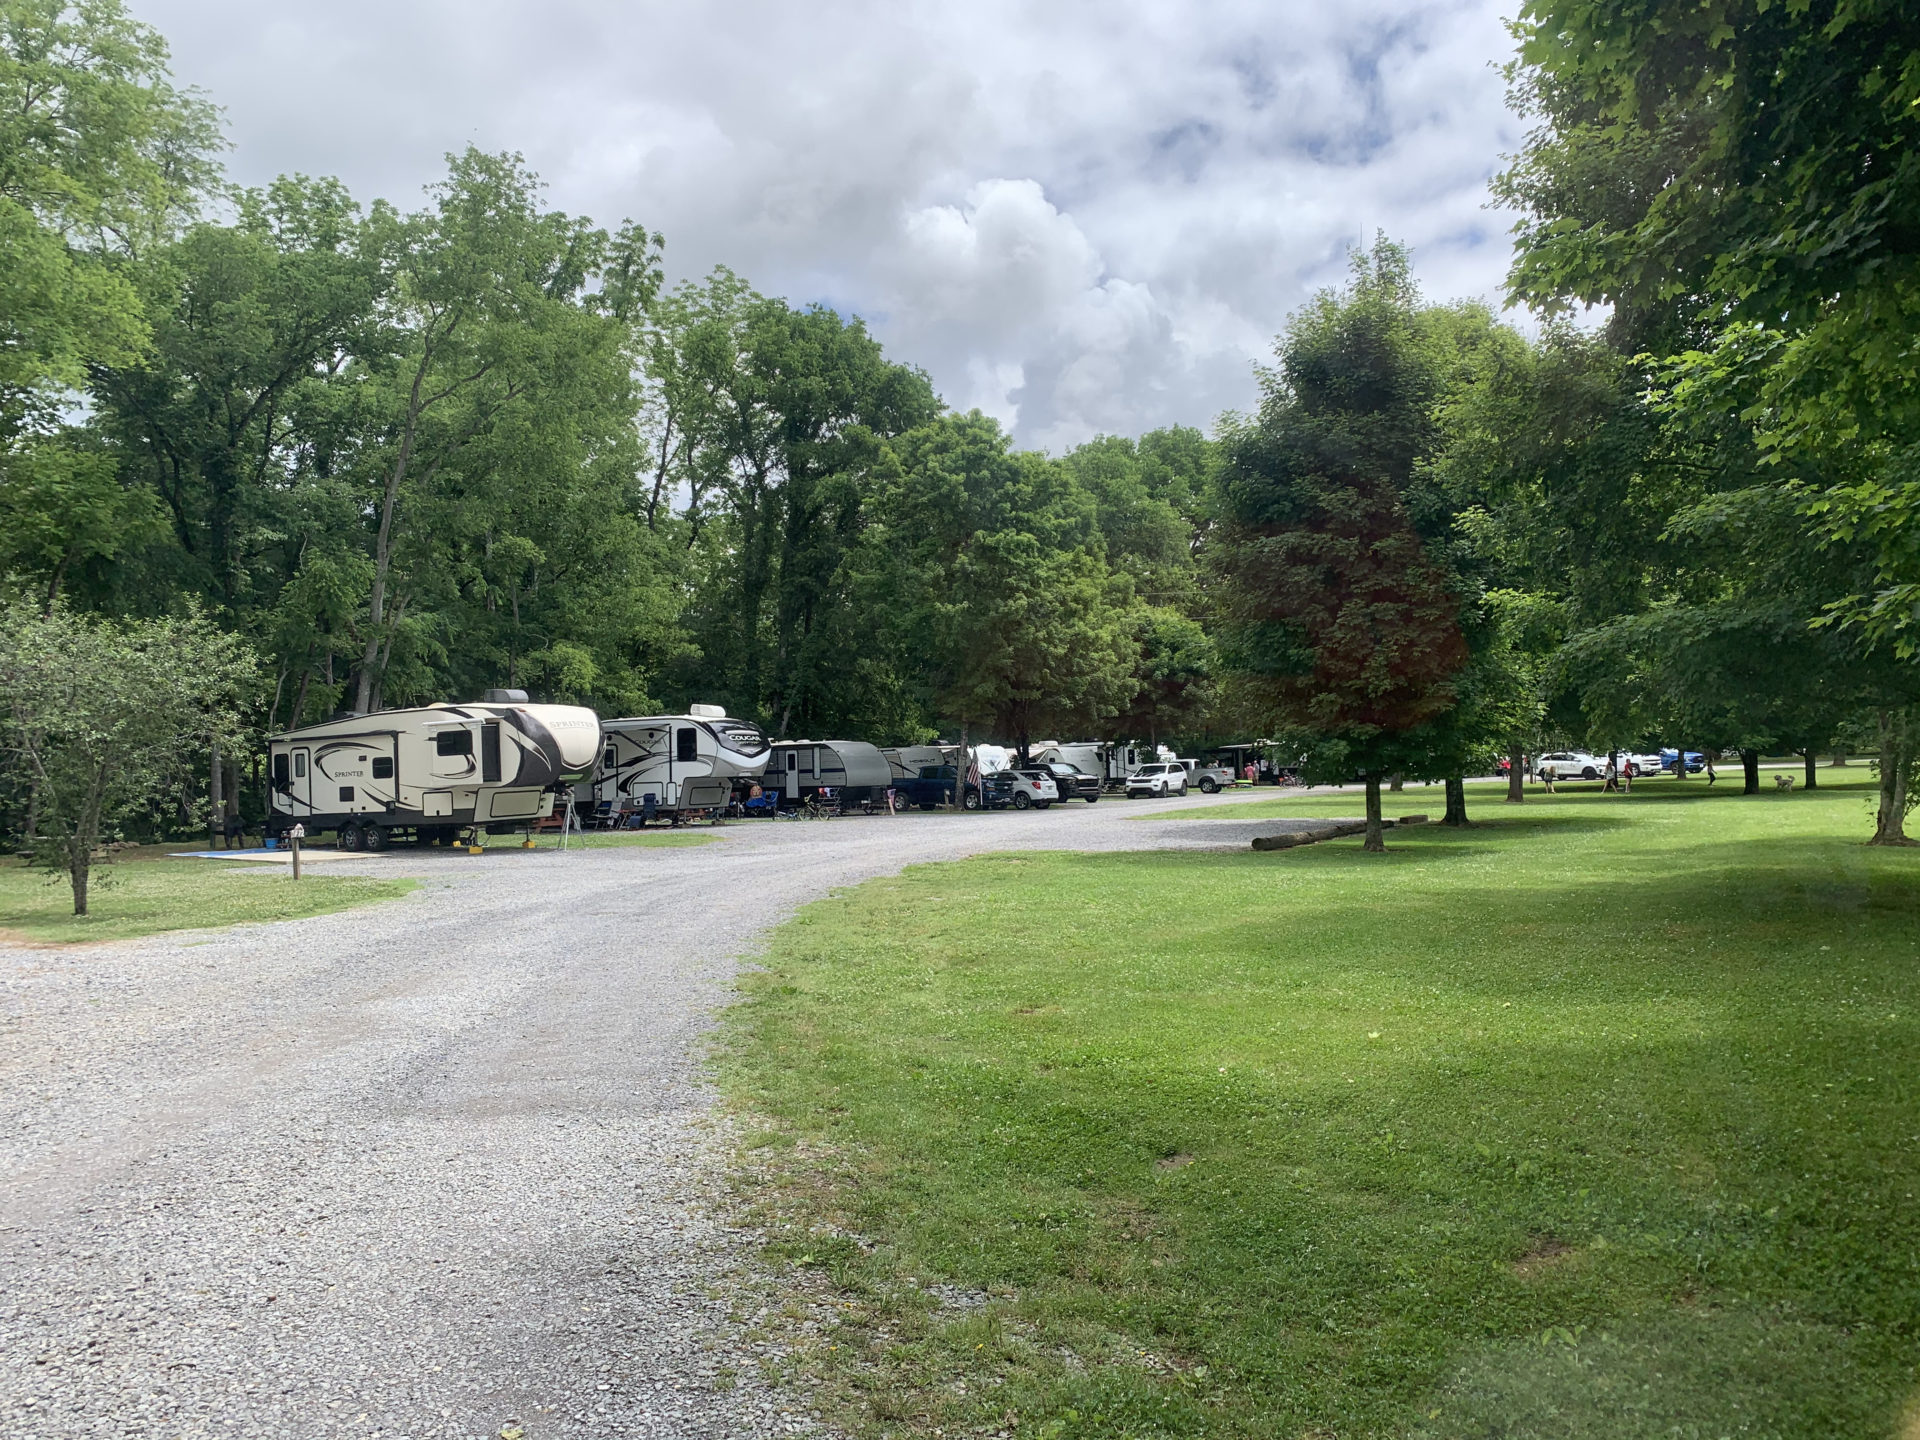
[432,770]
[683,762]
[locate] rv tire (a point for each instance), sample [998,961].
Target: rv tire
[374,837]
[350,835]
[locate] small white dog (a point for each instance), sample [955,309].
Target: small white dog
[1783,782]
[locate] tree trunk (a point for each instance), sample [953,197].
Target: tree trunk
[1397,783]
[1750,765]
[1376,843]
[1839,757]
[1456,801]
[1812,782]
[1516,778]
[77,873]
[217,808]
[960,773]
[1896,758]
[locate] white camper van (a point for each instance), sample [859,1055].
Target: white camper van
[684,762]
[852,769]
[428,772]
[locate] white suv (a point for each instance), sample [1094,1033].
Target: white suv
[1572,765]
[1157,780]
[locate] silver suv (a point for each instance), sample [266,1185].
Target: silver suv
[1157,780]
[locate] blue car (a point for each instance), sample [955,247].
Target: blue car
[1695,760]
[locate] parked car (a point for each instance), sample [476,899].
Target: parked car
[1643,764]
[1695,760]
[931,788]
[1207,776]
[1073,782]
[1158,779]
[1572,765]
[1022,789]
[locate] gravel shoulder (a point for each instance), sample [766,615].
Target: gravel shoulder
[431,1168]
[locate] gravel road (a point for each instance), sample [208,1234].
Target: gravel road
[443,1166]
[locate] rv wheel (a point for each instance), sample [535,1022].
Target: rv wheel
[374,838]
[350,835]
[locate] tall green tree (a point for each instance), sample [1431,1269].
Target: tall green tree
[1338,609]
[1018,624]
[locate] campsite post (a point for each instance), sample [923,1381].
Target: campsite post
[294,836]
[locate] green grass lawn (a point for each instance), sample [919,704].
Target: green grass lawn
[145,896]
[1599,1119]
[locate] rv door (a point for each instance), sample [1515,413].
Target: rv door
[300,783]
[793,775]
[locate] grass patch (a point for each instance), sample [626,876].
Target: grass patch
[1599,1119]
[145,897]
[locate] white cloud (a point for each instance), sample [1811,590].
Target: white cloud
[1077,216]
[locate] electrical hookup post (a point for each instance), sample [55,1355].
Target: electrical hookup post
[294,837]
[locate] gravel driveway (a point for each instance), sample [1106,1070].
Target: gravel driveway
[443,1166]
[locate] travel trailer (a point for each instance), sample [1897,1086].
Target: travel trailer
[1112,762]
[852,769]
[428,772]
[684,762]
[908,761]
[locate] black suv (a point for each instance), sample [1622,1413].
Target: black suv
[1073,782]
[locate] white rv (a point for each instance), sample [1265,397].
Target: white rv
[907,761]
[852,769]
[684,762]
[428,772]
[1112,762]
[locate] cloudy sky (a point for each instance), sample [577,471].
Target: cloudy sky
[1078,217]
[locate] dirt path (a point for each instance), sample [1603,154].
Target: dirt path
[433,1168]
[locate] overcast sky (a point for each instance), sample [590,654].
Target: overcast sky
[1078,217]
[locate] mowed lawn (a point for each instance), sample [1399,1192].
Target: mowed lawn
[133,897]
[1599,1119]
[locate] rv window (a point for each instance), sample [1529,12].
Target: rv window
[610,760]
[346,792]
[453,742]
[793,759]
[686,743]
[282,772]
[299,764]
[383,767]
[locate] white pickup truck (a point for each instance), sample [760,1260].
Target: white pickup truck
[1207,777]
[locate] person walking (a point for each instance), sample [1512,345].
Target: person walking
[1626,775]
[1711,777]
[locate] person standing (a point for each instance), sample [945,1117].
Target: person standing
[1626,775]
[1613,777]
[1547,772]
